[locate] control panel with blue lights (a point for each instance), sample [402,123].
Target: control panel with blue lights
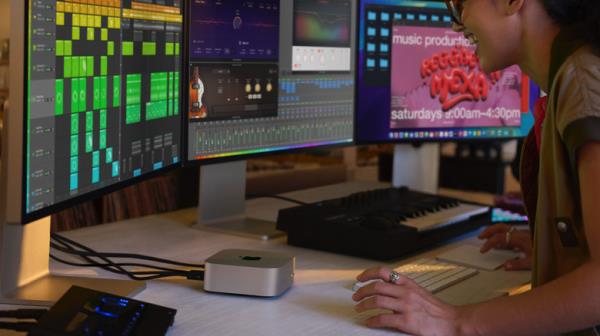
[83,311]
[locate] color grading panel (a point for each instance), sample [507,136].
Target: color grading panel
[103,95]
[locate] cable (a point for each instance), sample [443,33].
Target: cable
[34,314]
[64,245]
[117,269]
[110,263]
[153,274]
[17,326]
[87,255]
[291,200]
[135,275]
[68,249]
[98,264]
[125,255]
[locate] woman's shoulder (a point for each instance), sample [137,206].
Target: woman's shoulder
[576,91]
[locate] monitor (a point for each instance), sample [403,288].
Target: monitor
[419,81]
[264,77]
[102,104]
[94,102]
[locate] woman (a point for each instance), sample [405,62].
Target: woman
[557,43]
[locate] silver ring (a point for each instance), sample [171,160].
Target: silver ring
[394,276]
[508,235]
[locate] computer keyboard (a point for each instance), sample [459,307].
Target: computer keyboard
[433,275]
[381,224]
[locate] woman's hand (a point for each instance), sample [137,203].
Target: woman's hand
[519,240]
[413,309]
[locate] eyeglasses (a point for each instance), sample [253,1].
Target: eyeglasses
[455,7]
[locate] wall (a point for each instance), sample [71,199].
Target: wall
[4,18]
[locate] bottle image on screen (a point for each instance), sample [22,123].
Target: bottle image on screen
[197,107]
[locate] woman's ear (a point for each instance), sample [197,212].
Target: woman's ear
[512,7]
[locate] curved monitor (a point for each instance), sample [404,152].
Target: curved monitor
[99,104]
[417,80]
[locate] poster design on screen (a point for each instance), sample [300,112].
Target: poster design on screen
[437,82]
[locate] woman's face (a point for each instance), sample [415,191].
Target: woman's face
[494,33]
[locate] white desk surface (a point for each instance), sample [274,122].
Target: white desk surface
[319,303]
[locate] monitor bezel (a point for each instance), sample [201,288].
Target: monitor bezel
[92,195]
[361,142]
[188,162]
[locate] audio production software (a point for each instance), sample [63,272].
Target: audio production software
[246,96]
[103,94]
[322,40]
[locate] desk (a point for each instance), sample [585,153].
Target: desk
[318,304]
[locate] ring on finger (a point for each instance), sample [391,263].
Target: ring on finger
[394,277]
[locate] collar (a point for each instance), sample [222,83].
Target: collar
[564,45]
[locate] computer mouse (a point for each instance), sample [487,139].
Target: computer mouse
[358,285]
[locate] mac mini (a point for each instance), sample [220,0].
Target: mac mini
[248,272]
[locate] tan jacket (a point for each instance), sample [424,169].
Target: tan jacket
[572,119]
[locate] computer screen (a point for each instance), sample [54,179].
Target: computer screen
[102,95]
[417,80]
[268,76]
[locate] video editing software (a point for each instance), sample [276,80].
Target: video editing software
[244,95]
[418,79]
[103,99]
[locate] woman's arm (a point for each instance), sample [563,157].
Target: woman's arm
[569,303]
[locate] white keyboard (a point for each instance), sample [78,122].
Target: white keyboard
[445,217]
[430,274]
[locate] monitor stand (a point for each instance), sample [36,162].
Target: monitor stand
[417,167]
[222,203]
[24,269]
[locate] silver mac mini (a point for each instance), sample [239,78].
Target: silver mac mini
[248,272]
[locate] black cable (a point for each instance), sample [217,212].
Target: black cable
[125,272]
[94,263]
[124,255]
[17,326]
[116,267]
[291,200]
[87,255]
[98,264]
[34,314]
[135,275]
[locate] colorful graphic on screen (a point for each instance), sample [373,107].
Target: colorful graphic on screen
[322,30]
[245,107]
[104,86]
[240,30]
[322,23]
[418,80]
[437,82]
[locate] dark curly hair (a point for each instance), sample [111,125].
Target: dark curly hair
[583,16]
